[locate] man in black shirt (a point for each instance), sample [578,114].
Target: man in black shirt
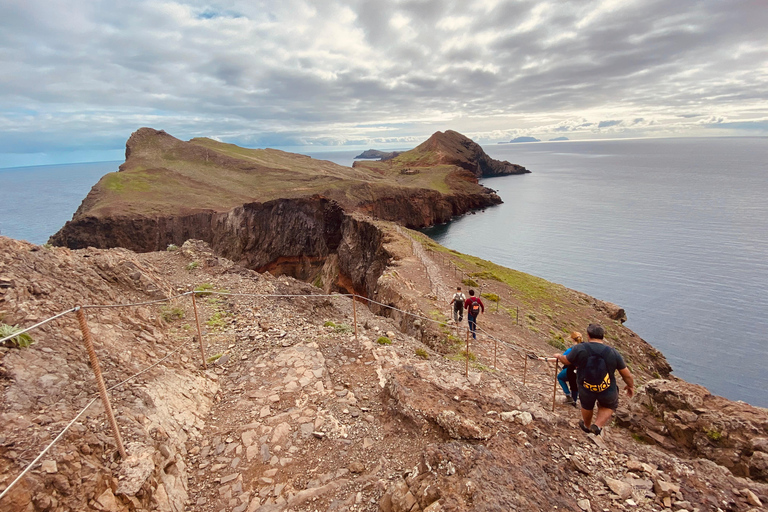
[593,358]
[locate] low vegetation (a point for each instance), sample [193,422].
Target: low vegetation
[383,340]
[22,340]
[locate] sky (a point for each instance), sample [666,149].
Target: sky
[78,77]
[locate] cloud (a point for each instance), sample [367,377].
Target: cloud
[76,74]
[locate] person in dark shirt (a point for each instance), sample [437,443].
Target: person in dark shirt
[606,394]
[474,307]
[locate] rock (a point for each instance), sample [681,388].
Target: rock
[435,506]
[584,504]
[752,498]
[622,489]
[49,466]
[524,418]
[663,488]
[107,501]
[356,467]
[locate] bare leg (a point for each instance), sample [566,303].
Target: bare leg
[586,415]
[603,416]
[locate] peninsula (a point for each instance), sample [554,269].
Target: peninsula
[291,396]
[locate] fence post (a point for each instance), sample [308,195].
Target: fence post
[354,313]
[554,388]
[199,331]
[517,315]
[466,368]
[99,379]
[495,343]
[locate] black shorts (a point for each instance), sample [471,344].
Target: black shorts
[608,399]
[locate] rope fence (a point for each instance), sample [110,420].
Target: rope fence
[103,390]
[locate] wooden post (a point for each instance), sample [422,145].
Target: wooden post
[466,369]
[517,315]
[554,388]
[354,314]
[100,380]
[199,331]
[525,368]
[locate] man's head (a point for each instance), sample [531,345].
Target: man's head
[472,293]
[595,331]
[458,288]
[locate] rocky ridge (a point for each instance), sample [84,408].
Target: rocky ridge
[297,413]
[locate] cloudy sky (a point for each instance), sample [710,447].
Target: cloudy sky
[78,76]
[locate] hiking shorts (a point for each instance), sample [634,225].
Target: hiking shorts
[608,399]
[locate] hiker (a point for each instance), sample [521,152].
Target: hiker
[567,376]
[458,305]
[474,307]
[596,365]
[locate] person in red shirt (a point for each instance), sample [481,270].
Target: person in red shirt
[474,307]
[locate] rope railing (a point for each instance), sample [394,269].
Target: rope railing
[79,310]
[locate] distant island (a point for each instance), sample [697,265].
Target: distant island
[373,154]
[525,139]
[558,139]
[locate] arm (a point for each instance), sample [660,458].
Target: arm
[628,380]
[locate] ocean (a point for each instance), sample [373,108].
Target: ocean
[673,230]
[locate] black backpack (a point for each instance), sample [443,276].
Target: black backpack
[595,371]
[474,308]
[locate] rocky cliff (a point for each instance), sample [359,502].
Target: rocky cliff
[311,403]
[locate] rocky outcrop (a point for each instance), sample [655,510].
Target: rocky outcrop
[688,419]
[378,155]
[453,148]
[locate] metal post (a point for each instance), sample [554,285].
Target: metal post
[466,369]
[100,380]
[495,343]
[517,315]
[199,331]
[354,313]
[554,388]
[525,368]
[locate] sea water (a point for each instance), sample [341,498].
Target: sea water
[673,230]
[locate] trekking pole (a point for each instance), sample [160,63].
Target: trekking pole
[554,387]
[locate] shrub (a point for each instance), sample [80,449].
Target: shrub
[217,320]
[172,247]
[203,290]
[469,282]
[193,265]
[213,358]
[329,323]
[420,352]
[342,328]
[490,296]
[20,341]
[557,343]
[383,340]
[714,435]
[170,313]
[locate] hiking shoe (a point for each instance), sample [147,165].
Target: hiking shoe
[595,429]
[568,400]
[583,427]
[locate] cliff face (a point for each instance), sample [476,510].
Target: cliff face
[294,237]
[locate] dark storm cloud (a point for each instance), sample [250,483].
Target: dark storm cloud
[329,72]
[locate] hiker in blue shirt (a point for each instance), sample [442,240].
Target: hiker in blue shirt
[567,376]
[596,365]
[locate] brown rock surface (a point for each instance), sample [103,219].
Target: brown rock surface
[304,415]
